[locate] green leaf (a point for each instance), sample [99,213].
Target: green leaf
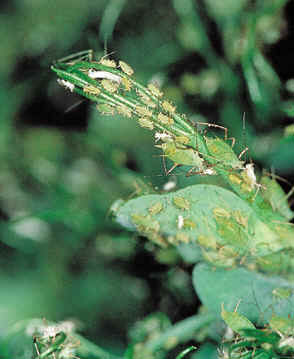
[214,219]
[253,290]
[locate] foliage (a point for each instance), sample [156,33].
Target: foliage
[63,175]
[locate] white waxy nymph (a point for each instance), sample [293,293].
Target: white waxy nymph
[180,222]
[104,75]
[68,85]
[162,136]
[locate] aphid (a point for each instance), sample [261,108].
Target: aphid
[109,86]
[249,175]
[165,120]
[92,90]
[168,107]
[241,218]
[146,99]
[68,85]
[126,83]
[155,208]
[143,111]
[182,237]
[181,203]
[146,123]
[107,62]
[221,212]
[207,241]
[155,90]
[124,110]
[105,109]
[183,140]
[180,222]
[126,68]
[235,179]
[188,223]
[94,74]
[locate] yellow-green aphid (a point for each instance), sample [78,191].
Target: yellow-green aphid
[145,223]
[105,109]
[235,179]
[181,203]
[207,241]
[241,218]
[107,62]
[282,292]
[188,223]
[221,212]
[146,123]
[185,156]
[143,111]
[126,68]
[165,120]
[146,99]
[92,90]
[183,140]
[223,153]
[182,237]
[168,107]
[124,110]
[155,90]
[126,83]
[109,86]
[155,208]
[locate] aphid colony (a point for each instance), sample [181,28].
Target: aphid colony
[113,88]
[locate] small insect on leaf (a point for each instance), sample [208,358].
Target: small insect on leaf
[109,86]
[105,109]
[221,212]
[107,62]
[168,107]
[155,208]
[126,68]
[181,203]
[143,111]
[92,90]
[165,120]
[124,110]
[155,90]
[146,123]
[126,84]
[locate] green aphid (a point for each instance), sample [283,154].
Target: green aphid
[107,62]
[189,224]
[221,212]
[105,109]
[222,153]
[126,68]
[146,123]
[155,208]
[143,111]
[145,224]
[155,90]
[109,86]
[282,293]
[241,218]
[92,90]
[183,156]
[182,237]
[181,203]
[207,241]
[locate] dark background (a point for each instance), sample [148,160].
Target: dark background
[63,164]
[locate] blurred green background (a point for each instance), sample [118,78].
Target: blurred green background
[63,164]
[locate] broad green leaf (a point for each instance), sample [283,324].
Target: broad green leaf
[253,290]
[214,219]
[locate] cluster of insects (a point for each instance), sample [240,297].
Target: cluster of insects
[112,87]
